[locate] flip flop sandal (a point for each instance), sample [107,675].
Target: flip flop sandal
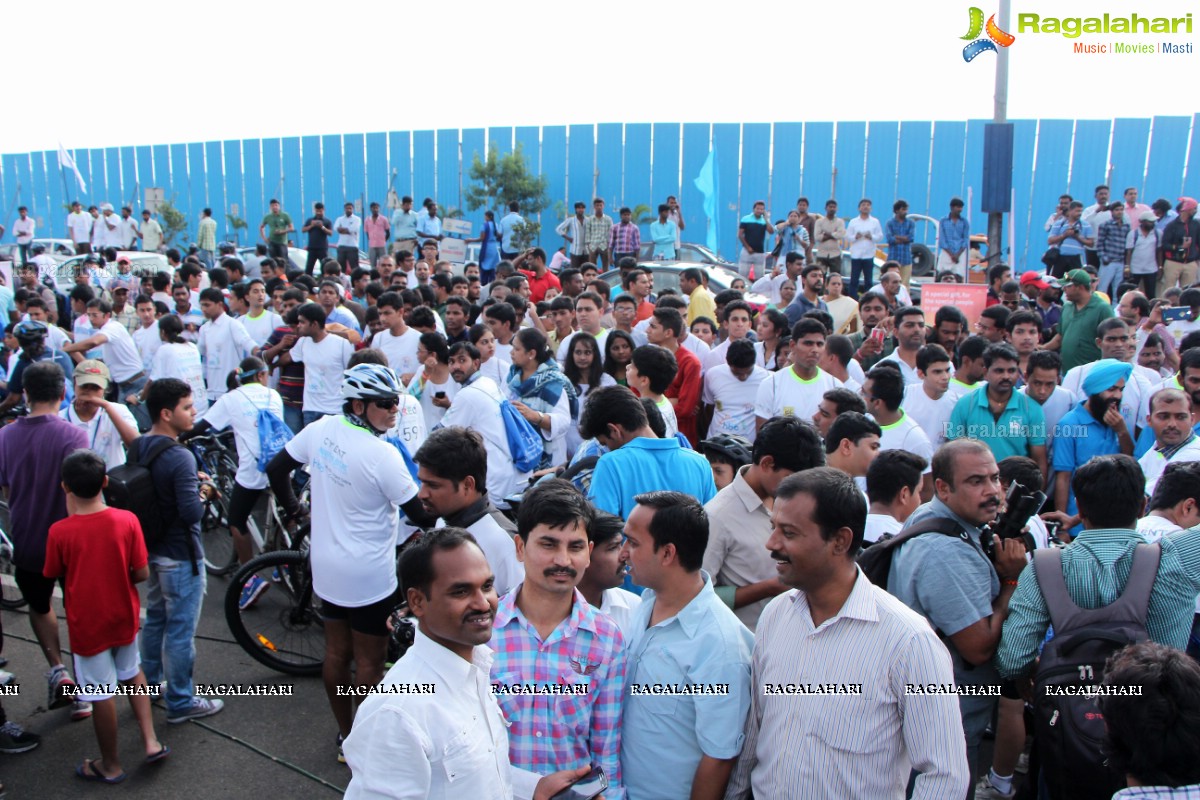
[159,756]
[87,770]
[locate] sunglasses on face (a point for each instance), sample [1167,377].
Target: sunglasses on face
[386,405]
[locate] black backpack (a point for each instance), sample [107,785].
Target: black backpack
[1069,730]
[131,487]
[876,560]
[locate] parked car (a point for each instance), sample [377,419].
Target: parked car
[299,256]
[142,264]
[56,248]
[665,275]
[687,251]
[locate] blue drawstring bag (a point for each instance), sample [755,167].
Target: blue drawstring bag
[524,442]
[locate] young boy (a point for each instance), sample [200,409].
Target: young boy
[726,454]
[101,554]
[649,374]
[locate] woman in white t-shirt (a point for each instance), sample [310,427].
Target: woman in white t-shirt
[180,359]
[490,364]
[584,369]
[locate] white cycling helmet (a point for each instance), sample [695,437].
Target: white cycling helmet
[370,382]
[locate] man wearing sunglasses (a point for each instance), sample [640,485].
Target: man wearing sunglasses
[359,482]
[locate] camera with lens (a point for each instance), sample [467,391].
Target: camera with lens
[1019,505]
[403,634]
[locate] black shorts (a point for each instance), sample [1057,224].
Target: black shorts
[371,620]
[241,505]
[37,589]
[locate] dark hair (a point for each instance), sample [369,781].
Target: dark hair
[1141,303]
[657,364]
[44,382]
[741,354]
[906,311]
[1109,491]
[1021,469]
[736,305]
[1109,324]
[996,272]
[845,400]
[837,502]
[502,312]
[605,526]
[671,320]
[249,369]
[1153,737]
[83,472]
[466,347]
[83,294]
[416,562]
[534,340]
[165,395]
[823,317]
[436,345]
[887,384]
[170,328]
[999,352]
[1178,482]
[891,471]
[555,503]
[778,320]
[853,426]
[654,417]
[872,296]
[103,306]
[610,405]
[213,296]
[596,299]
[455,454]
[692,274]
[678,520]
[928,355]
[595,369]
[997,314]
[973,347]
[793,444]
[313,313]
[610,364]
[1043,359]
[1022,318]
[726,296]
[808,325]
[948,314]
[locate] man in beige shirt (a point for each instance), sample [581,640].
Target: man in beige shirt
[739,517]
[830,232]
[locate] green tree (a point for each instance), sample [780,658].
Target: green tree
[237,224]
[174,223]
[503,179]
[643,214]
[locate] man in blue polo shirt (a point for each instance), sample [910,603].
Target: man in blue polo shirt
[1010,423]
[752,235]
[638,461]
[1072,236]
[1095,427]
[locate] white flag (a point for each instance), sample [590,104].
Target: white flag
[65,161]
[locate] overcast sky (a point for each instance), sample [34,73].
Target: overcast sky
[224,69]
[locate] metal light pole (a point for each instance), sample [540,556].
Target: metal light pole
[1000,115]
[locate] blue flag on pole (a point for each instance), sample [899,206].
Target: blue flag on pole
[706,184]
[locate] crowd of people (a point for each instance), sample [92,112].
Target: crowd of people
[636,523]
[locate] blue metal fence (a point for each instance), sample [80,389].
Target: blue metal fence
[926,163]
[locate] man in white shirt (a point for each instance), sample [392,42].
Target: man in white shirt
[910,338]
[23,229]
[259,321]
[837,624]
[223,342]
[730,390]
[397,341]
[108,226]
[864,233]
[146,337]
[601,581]
[477,406]
[324,356]
[588,309]
[109,426]
[120,354]
[929,403]
[797,390]
[440,735]
[893,491]
[1096,215]
[347,228]
[79,225]
[738,318]
[128,229]
[151,234]
[883,392]
[1174,439]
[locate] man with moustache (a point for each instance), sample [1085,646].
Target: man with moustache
[1095,427]
[434,729]
[950,581]
[1171,414]
[835,623]
[548,637]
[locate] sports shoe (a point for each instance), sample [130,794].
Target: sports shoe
[985,791]
[80,709]
[58,680]
[251,592]
[15,739]
[341,753]
[6,677]
[201,707]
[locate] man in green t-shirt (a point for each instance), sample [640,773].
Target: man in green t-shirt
[274,231]
[1083,311]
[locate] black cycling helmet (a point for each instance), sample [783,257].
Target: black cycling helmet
[30,331]
[736,448]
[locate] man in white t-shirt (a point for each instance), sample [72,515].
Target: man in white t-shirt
[359,483]
[119,353]
[1174,439]
[452,468]
[797,390]
[347,227]
[929,402]
[109,426]
[730,390]
[397,341]
[588,308]
[893,489]
[223,342]
[79,225]
[146,337]
[477,406]
[738,318]
[260,322]
[324,356]
[883,392]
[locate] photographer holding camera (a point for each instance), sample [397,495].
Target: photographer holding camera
[1181,247]
[950,580]
[1071,235]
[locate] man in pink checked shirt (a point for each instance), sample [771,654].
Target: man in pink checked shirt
[559,665]
[379,230]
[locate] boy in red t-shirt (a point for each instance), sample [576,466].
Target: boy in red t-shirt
[101,553]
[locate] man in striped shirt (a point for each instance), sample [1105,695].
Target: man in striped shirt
[844,667]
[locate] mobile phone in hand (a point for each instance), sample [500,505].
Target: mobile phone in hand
[586,788]
[1177,314]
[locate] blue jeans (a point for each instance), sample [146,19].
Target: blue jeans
[865,266]
[976,714]
[293,417]
[206,257]
[173,600]
[139,410]
[312,416]
[1111,276]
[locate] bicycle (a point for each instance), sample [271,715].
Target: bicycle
[219,462]
[10,597]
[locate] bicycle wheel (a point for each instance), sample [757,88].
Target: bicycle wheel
[282,628]
[11,598]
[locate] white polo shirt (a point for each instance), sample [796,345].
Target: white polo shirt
[103,437]
[324,363]
[352,223]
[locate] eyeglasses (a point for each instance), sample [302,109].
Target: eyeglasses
[386,405]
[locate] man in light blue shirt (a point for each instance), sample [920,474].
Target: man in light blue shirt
[404,227]
[1072,236]
[663,233]
[507,230]
[429,227]
[687,688]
